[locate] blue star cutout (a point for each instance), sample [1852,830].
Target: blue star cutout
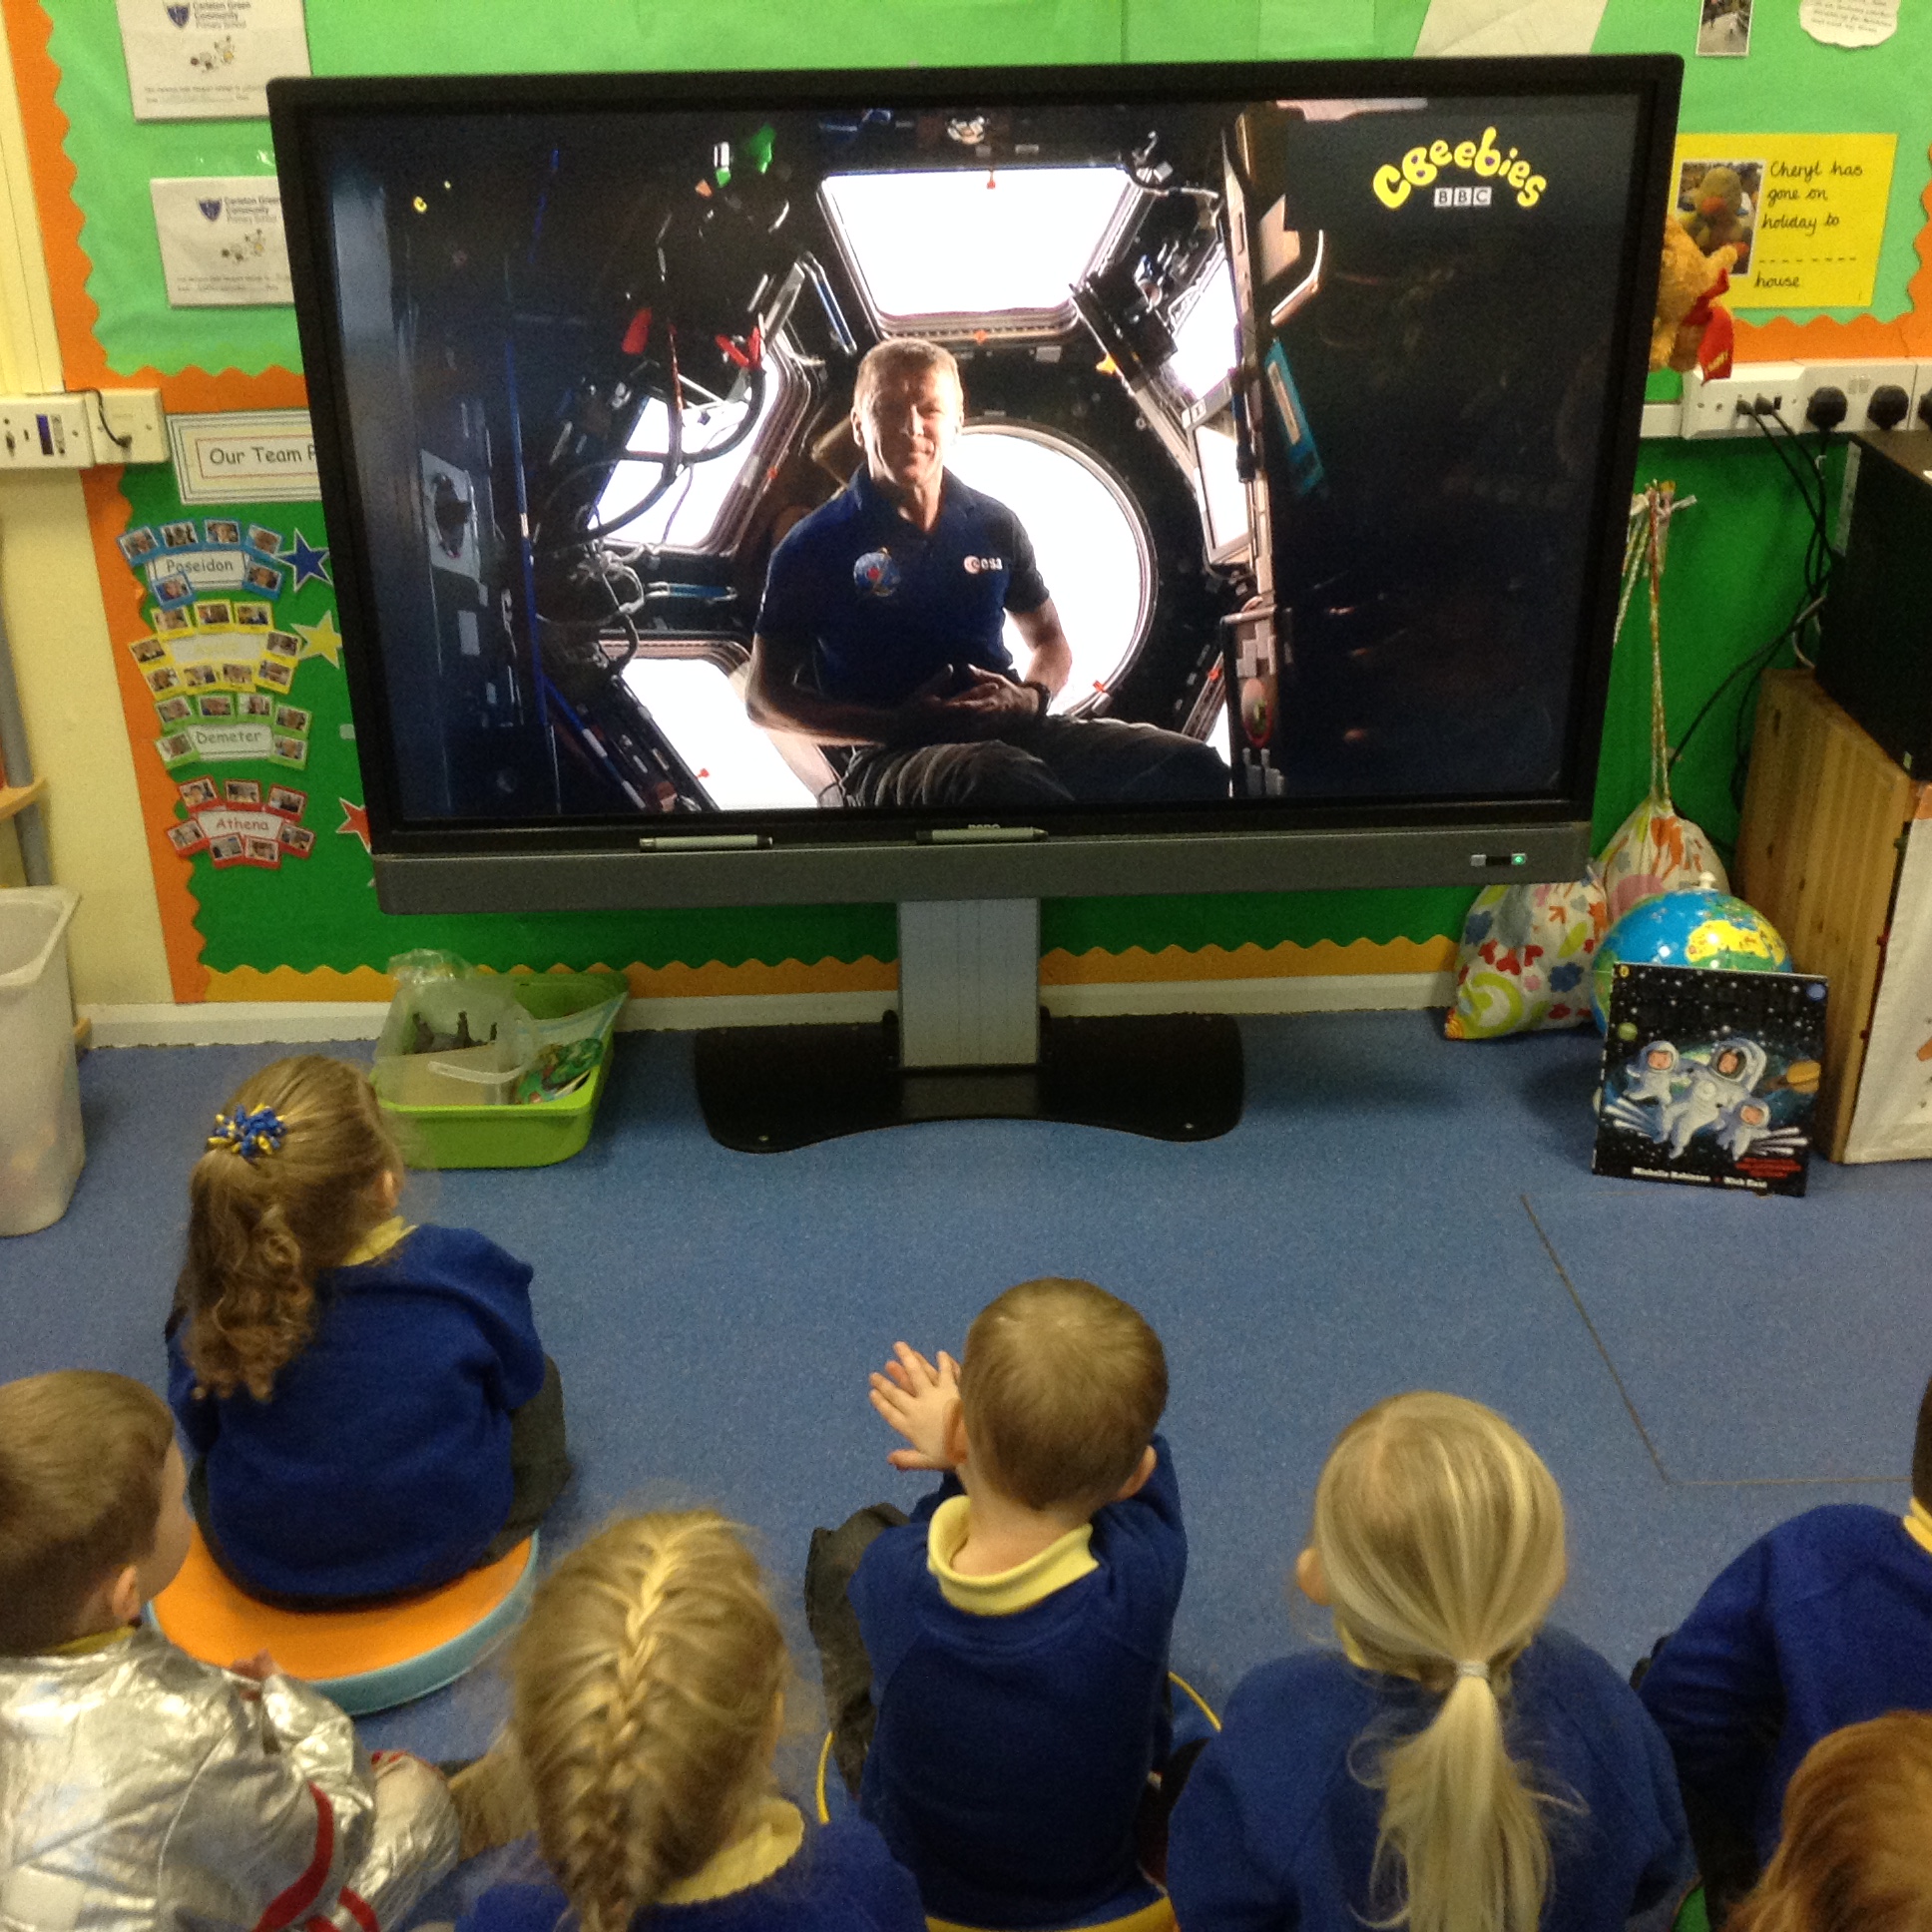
[308,562]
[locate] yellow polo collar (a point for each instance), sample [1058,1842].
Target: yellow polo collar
[377,1241]
[749,1859]
[1918,1524]
[1066,1560]
[93,1641]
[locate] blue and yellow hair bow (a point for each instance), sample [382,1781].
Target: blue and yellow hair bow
[249,1134]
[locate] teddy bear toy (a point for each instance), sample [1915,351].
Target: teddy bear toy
[1687,285]
[1715,217]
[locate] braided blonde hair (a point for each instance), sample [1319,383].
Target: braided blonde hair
[646,1687]
[1440,1532]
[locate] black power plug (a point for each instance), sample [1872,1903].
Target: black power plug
[1888,406]
[1827,408]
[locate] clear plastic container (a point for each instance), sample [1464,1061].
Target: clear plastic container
[41,1149]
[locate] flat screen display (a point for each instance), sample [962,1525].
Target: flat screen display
[1203,449]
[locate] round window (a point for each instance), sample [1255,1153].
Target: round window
[1088,541]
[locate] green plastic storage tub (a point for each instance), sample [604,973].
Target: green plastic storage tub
[535,1135]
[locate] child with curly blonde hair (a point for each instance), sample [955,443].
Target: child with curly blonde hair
[1462,1766]
[648,1695]
[371,1409]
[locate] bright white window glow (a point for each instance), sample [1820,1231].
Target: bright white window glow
[685,517]
[998,243]
[1090,546]
[697,706]
[1223,495]
[1203,344]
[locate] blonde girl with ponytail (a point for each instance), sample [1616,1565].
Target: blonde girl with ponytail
[1460,1767]
[370,1410]
[646,1698]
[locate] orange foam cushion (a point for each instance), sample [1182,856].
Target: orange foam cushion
[210,1617]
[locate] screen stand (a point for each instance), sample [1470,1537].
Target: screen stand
[970,1042]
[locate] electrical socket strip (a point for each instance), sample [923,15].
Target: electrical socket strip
[46,432]
[1783,390]
[79,428]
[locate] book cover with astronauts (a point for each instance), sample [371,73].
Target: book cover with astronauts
[1710,1077]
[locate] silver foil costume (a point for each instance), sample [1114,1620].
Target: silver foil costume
[142,1791]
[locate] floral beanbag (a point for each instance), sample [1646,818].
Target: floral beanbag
[1525,959]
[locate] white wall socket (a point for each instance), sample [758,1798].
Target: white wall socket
[137,415]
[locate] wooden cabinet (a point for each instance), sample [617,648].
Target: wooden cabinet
[1825,817]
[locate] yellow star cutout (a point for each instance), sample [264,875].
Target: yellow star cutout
[322,640]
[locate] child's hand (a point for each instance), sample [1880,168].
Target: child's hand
[917,1399]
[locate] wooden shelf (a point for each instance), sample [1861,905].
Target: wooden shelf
[16,799]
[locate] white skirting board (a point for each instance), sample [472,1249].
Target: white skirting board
[247,1022]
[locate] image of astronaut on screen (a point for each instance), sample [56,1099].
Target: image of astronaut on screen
[881,629]
[1048,458]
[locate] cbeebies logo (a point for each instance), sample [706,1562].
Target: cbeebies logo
[1393,184]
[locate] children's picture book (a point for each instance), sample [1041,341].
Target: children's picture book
[1710,1077]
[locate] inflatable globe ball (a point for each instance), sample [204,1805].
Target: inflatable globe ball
[1698,927]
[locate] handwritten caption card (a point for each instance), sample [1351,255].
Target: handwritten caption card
[1806,213]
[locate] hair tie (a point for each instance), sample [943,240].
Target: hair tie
[249,1134]
[1469,1668]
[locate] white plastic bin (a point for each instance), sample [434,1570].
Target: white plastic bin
[40,1093]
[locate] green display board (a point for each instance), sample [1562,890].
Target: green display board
[1735,560]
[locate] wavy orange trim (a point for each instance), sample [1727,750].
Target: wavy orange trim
[84,363]
[1098,967]
[867,975]
[107,518]
[1917,324]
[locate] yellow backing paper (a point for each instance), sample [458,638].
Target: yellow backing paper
[1813,213]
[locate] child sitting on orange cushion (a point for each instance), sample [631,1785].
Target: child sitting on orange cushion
[141,1788]
[373,1409]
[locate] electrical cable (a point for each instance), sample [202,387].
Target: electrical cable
[123,443]
[1814,494]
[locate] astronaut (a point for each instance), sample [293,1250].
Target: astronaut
[1654,1073]
[1724,1078]
[882,630]
[1743,1124]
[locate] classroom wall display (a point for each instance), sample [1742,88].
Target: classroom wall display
[305,925]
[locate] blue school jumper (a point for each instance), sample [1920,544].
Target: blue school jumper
[1275,1830]
[1013,1746]
[842,1879]
[1823,1621]
[381,1462]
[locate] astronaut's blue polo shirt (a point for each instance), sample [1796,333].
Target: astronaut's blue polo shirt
[883,606]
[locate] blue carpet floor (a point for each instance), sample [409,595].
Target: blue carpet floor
[1393,1211]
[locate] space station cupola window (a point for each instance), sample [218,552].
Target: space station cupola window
[1205,331]
[1087,538]
[705,505]
[939,250]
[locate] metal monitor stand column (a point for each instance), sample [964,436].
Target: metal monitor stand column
[970,1042]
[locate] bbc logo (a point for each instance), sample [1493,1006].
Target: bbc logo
[1462,196]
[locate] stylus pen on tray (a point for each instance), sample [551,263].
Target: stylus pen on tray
[981,835]
[707,842]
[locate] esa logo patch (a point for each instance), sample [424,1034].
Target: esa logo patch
[876,573]
[976,566]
